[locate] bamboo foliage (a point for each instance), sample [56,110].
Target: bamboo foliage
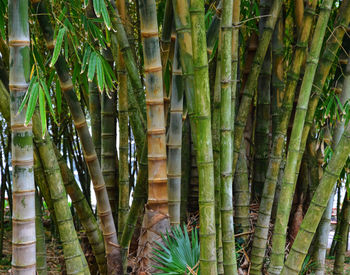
[23,219]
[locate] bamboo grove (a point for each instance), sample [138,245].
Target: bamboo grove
[174,136]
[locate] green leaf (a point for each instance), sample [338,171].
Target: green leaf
[100,75]
[48,98]
[97,7]
[42,110]
[85,59]
[32,102]
[25,99]
[56,51]
[105,15]
[92,66]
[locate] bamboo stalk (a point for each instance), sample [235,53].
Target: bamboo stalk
[84,212]
[108,142]
[156,219]
[208,264]
[251,83]
[318,204]
[241,194]
[123,202]
[174,141]
[343,237]
[326,61]
[130,63]
[262,226]
[216,158]
[226,150]
[23,216]
[262,124]
[185,168]
[277,81]
[74,258]
[289,177]
[41,265]
[114,260]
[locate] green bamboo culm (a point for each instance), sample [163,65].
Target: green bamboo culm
[74,258]
[202,121]
[276,155]
[216,158]
[130,64]
[108,141]
[241,194]
[288,182]
[94,98]
[123,201]
[113,250]
[226,150]
[262,123]
[156,218]
[23,195]
[326,61]
[175,140]
[85,214]
[251,85]
[318,204]
[95,114]
[41,264]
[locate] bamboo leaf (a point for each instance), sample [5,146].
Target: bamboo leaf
[32,102]
[42,110]
[100,75]
[85,59]
[97,7]
[48,98]
[105,15]
[25,99]
[92,66]
[56,51]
